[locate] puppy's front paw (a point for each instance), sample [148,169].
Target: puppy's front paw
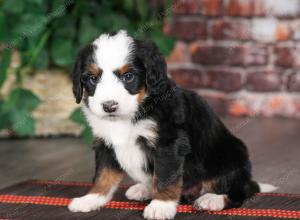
[160,210]
[87,203]
[210,202]
[138,192]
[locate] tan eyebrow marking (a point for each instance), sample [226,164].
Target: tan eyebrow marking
[124,69]
[93,69]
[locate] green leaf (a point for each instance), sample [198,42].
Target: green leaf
[2,26]
[31,25]
[165,43]
[78,117]
[65,27]
[4,115]
[24,99]
[62,52]
[4,64]
[87,31]
[142,9]
[23,123]
[13,6]
[87,136]
[39,2]
[128,5]
[42,61]
[111,21]
[37,50]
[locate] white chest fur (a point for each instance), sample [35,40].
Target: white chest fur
[122,135]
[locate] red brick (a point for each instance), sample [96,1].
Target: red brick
[186,6]
[283,32]
[229,55]
[254,104]
[294,82]
[188,78]
[189,29]
[264,81]
[246,8]
[256,54]
[283,8]
[212,7]
[218,102]
[204,7]
[230,30]
[270,30]
[285,56]
[228,81]
[179,53]
[237,107]
[217,55]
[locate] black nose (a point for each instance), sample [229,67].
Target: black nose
[110,106]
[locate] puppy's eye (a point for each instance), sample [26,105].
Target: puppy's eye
[93,79]
[128,77]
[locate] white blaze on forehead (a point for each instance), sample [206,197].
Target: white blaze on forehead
[112,52]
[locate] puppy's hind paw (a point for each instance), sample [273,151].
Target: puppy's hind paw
[210,202]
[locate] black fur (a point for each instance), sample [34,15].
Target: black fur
[193,144]
[84,58]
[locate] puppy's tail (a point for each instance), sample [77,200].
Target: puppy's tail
[264,187]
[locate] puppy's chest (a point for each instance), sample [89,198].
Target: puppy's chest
[123,137]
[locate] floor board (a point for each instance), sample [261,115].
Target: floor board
[274,146]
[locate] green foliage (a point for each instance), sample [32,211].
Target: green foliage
[54,30]
[78,117]
[15,112]
[49,33]
[4,64]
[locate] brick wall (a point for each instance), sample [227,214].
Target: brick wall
[243,56]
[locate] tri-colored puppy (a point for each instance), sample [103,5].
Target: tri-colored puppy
[165,138]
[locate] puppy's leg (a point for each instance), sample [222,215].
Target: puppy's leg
[139,192]
[165,197]
[101,192]
[167,185]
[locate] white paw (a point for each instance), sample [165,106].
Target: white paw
[138,192]
[87,203]
[210,202]
[160,210]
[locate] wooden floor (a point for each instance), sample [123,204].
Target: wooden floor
[274,146]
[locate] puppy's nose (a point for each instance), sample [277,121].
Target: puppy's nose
[110,106]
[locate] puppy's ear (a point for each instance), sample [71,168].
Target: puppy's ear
[84,57]
[157,81]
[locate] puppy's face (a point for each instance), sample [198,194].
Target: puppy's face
[111,74]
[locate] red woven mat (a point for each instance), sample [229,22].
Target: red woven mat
[41,199]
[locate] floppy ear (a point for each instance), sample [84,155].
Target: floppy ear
[157,81]
[85,56]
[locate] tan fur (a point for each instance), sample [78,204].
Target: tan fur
[124,69]
[168,192]
[94,70]
[208,186]
[107,179]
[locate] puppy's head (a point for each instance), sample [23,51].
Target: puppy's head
[116,73]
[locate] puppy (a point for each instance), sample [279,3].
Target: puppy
[165,138]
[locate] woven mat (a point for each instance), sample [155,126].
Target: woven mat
[42,199]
